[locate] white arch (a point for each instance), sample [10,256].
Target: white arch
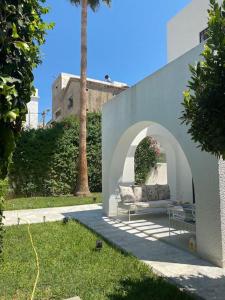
[178,169]
[179,172]
[155,103]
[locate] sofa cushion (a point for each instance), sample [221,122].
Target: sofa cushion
[163,191]
[127,206]
[154,204]
[137,192]
[127,194]
[152,192]
[140,193]
[160,203]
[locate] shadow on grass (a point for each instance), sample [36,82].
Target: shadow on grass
[149,288]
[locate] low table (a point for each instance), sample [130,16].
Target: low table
[178,218]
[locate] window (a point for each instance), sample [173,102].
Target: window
[203,35]
[70,102]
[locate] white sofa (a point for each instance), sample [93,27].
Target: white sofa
[144,199]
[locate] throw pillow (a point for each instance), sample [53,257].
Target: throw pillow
[163,191]
[152,192]
[138,193]
[127,194]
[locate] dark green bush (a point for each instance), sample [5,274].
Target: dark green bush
[45,160]
[204,100]
[3,187]
[3,192]
[22,32]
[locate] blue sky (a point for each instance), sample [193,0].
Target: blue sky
[127,41]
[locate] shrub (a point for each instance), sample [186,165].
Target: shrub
[3,192]
[204,101]
[45,160]
[22,32]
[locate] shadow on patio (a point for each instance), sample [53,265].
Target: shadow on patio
[144,238]
[147,239]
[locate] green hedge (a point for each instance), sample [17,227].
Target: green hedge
[45,160]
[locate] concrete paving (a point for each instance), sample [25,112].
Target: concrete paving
[44,214]
[195,275]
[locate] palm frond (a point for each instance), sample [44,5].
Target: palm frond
[75,2]
[107,2]
[94,4]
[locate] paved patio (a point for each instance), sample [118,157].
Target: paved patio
[139,238]
[157,226]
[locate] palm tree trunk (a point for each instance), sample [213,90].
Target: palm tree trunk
[83,188]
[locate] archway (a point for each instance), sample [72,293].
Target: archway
[179,173]
[157,99]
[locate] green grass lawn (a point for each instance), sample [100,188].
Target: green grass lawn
[42,202]
[69,266]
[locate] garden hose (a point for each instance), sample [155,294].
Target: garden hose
[36,257]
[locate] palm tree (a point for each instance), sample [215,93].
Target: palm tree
[83,187]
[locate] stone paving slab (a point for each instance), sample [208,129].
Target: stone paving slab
[195,275]
[51,214]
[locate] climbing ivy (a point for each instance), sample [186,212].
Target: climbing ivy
[146,156]
[22,31]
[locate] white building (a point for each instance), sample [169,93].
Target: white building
[187,29]
[153,107]
[32,115]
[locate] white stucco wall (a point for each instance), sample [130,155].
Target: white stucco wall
[158,175]
[156,100]
[184,29]
[32,115]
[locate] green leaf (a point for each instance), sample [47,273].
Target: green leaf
[22,46]
[14,31]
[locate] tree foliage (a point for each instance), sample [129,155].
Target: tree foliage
[94,4]
[204,101]
[22,31]
[146,157]
[45,161]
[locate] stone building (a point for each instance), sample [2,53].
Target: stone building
[66,95]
